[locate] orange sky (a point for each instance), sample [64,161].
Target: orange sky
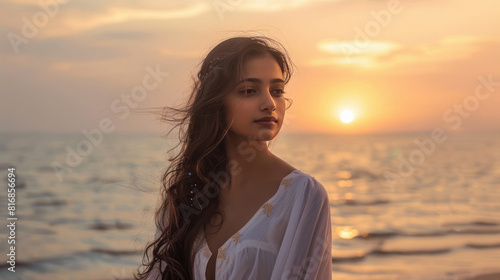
[400,66]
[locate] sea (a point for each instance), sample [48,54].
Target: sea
[403,206]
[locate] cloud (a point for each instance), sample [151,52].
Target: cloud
[31,2]
[71,20]
[269,5]
[352,53]
[383,54]
[122,15]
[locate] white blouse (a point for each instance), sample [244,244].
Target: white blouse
[289,237]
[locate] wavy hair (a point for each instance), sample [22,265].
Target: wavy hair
[189,197]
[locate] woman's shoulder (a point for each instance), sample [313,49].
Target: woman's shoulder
[304,183]
[300,182]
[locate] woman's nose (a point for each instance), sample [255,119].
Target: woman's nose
[268,101]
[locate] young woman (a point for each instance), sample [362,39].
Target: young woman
[231,209]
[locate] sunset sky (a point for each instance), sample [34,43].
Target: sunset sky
[398,66]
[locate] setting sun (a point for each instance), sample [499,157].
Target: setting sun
[346,116]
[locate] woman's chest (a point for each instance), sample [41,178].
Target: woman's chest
[236,212]
[222,228]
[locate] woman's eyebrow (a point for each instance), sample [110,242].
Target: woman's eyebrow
[257,80]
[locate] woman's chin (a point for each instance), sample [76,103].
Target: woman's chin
[266,135]
[260,135]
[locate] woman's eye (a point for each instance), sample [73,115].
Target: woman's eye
[248,91]
[279,91]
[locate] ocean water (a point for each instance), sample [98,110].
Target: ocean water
[399,210]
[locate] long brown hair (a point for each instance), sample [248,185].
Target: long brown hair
[190,186]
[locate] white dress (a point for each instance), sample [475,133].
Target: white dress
[289,237]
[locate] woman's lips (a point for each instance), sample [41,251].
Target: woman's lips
[267,119]
[265,122]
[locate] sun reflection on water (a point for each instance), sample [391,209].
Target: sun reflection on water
[347,232]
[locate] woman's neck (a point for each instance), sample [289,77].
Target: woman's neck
[247,158]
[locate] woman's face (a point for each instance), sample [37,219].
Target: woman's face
[259,94]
